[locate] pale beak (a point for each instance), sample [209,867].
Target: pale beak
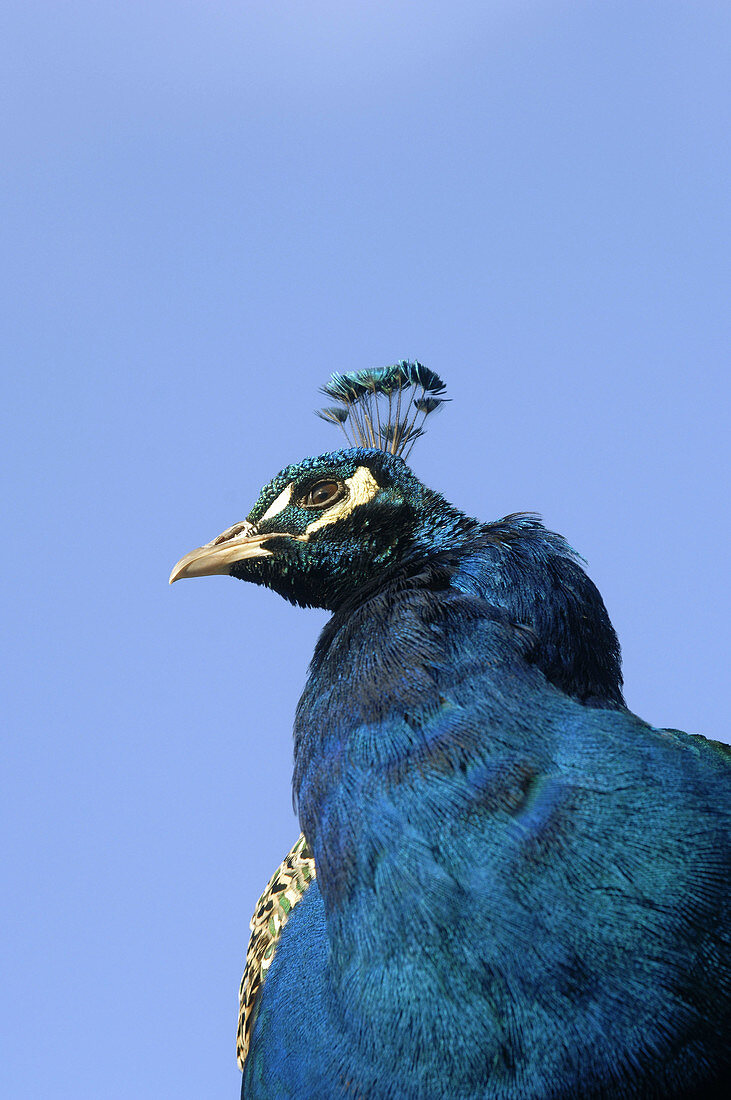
[237,543]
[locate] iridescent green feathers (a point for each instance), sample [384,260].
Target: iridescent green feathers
[384,407]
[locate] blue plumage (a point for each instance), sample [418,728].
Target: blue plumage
[522,888]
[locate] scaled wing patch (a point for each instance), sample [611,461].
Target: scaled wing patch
[286,887]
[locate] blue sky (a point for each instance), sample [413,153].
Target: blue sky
[208,207]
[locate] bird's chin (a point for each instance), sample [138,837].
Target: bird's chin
[307,575]
[257,571]
[280,570]
[301,589]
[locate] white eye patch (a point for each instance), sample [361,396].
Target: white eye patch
[362,487]
[279,504]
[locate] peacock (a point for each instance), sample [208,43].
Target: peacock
[508,886]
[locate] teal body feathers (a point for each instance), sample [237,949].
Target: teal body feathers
[522,888]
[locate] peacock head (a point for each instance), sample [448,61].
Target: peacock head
[326,528]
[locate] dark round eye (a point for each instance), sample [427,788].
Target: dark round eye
[322,493]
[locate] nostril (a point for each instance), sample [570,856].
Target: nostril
[244,528]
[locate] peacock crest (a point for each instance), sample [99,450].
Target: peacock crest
[384,407]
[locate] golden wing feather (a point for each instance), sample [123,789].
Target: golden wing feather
[285,888]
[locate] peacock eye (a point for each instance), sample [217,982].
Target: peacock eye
[322,494]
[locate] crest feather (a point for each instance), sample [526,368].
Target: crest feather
[376,411]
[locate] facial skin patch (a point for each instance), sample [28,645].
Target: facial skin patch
[362,487]
[279,504]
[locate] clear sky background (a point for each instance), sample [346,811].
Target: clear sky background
[209,206]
